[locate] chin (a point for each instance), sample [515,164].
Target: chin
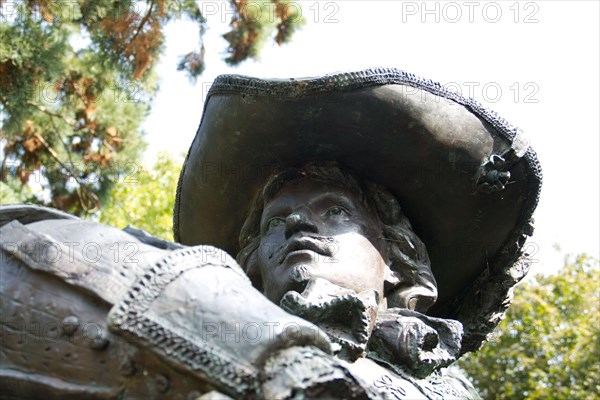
[301,273]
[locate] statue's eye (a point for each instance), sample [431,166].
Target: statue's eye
[337,211]
[275,222]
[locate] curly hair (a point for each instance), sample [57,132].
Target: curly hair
[411,283]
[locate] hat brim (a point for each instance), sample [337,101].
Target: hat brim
[426,145]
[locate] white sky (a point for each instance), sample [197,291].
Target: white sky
[535,63]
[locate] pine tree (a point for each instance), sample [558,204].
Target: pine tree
[76,81]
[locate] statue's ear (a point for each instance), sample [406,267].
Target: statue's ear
[390,279]
[416,298]
[416,291]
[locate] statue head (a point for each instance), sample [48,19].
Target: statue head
[323,221]
[445,158]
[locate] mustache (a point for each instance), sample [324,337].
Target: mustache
[323,245]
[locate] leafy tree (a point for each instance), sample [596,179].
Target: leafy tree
[548,346]
[145,197]
[76,78]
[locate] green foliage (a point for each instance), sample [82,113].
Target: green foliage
[144,198]
[76,81]
[548,346]
[12,193]
[70,117]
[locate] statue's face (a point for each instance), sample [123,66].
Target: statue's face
[316,230]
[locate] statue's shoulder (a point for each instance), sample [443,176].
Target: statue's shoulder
[59,278]
[102,260]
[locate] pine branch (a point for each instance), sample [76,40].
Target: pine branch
[51,113]
[60,137]
[54,155]
[143,21]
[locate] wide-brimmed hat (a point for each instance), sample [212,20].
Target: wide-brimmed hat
[466,179]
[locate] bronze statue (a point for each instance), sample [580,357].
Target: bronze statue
[378,223]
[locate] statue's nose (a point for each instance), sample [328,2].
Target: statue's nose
[299,221]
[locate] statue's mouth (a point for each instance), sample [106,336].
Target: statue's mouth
[323,246]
